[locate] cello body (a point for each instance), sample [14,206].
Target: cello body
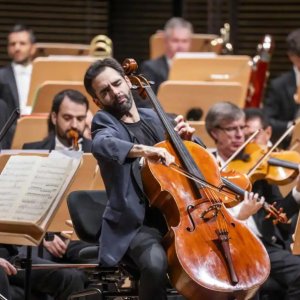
[198,267]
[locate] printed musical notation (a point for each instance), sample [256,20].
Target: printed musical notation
[30,184]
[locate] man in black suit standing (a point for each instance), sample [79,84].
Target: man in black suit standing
[281,104]
[177,38]
[225,122]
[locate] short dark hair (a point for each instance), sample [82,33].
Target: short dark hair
[97,68]
[22,27]
[257,113]
[73,95]
[293,42]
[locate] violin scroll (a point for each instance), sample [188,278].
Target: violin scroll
[74,136]
[278,214]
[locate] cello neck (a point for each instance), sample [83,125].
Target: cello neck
[175,139]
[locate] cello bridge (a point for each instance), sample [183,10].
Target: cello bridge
[211,212]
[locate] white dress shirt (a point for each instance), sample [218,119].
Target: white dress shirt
[23,77]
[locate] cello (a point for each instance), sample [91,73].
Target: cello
[210,254]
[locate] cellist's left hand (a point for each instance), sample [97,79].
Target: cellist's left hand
[183,128]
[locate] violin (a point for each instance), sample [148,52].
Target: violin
[208,250]
[74,136]
[234,181]
[279,168]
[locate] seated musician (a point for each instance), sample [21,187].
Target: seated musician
[122,135]
[225,123]
[60,283]
[68,112]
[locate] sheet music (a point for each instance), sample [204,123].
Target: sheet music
[30,184]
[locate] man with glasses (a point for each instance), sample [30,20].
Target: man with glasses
[226,124]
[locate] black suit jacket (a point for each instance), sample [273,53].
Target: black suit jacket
[8,88]
[49,144]
[156,70]
[279,105]
[124,213]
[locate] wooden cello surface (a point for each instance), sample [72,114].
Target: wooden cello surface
[198,268]
[211,255]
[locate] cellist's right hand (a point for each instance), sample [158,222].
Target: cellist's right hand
[154,154]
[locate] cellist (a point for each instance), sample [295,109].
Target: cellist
[226,124]
[121,134]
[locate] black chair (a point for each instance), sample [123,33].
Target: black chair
[86,209]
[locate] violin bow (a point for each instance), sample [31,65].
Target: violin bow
[237,152]
[267,154]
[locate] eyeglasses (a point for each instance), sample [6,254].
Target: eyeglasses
[233,128]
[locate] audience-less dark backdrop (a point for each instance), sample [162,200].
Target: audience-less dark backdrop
[130,22]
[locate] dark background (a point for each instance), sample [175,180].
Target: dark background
[129,23]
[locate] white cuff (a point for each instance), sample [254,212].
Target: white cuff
[296,195]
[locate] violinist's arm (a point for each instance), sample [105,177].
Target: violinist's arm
[183,128]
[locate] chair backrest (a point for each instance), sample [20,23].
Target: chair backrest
[180,96]
[86,210]
[46,49]
[200,43]
[226,68]
[48,89]
[69,68]
[30,129]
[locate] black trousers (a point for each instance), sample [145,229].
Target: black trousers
[4,284]
[285,268]
[59,283]
[150,258]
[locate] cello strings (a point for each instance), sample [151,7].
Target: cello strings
[213,190]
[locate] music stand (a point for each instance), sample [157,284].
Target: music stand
[28,233]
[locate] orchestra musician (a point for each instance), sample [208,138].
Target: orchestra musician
[225,122]
[280,104]
[68,112]
[177,38]
[122,135]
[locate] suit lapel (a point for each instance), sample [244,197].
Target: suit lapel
[12,84]
[165,69]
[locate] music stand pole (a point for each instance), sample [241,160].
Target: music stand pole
[28,264]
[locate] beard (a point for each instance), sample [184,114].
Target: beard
[118,109]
